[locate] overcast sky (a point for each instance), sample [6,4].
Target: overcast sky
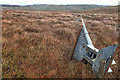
[29,2]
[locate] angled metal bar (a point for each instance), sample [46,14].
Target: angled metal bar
[86,34]
[88,39]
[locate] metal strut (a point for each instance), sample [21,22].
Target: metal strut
[99,59]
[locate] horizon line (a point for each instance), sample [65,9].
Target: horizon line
[57,4]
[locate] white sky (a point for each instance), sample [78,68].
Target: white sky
[29,2]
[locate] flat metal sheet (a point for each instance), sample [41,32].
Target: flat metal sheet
[80,47]
[105,54]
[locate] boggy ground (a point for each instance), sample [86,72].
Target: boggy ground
[39,44]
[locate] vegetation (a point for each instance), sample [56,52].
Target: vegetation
[39,44]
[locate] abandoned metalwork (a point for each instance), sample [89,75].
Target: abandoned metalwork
[99,59]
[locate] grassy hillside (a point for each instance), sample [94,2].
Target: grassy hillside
[52,7]
[39,44]
[65,8]
[110,10]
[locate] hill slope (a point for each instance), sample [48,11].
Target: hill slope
[39,44]
[52,7]
[110,10]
